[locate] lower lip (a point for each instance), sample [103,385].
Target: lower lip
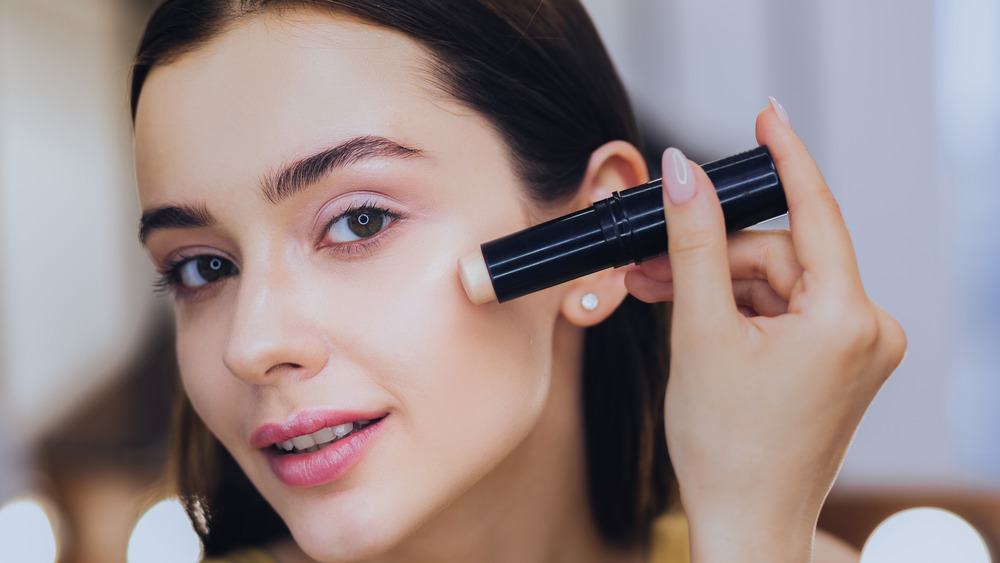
[325,465]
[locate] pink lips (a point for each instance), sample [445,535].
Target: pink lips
[324,465]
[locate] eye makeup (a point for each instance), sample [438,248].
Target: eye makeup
[357,229]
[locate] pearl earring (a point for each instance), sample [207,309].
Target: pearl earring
[589,302]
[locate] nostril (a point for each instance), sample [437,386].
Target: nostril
[282,367]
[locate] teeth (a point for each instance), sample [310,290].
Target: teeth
[325,435]
[343,429]
[313,442]
[303,442]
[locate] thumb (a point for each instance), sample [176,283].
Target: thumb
[696,230]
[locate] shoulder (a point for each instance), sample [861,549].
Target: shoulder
[243,556]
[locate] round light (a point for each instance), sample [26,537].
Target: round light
[164,535]
[925,535]
[26,532]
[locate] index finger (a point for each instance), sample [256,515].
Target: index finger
[819,235]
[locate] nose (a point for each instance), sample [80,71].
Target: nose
[273,336]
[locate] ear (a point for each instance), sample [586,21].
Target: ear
[614,166]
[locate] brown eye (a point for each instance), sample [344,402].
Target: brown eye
[359,224]
[364,223]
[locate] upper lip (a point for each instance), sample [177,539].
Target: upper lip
[306,422]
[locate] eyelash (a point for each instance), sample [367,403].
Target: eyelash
[170,276]
[367,244]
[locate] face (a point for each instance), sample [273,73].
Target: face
[308,193]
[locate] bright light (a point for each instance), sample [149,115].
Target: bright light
[164,535]
[925,535]
[26,533]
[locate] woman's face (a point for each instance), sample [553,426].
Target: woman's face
[310,193]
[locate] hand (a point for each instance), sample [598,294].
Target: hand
[776,352]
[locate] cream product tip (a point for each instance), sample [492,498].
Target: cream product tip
[476,278]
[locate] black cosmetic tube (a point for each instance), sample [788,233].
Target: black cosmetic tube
[628,227]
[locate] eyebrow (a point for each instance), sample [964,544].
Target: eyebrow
[292,178]
[173,217]
[283,184]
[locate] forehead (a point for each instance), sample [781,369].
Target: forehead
[274,87]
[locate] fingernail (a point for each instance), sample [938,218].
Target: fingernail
[779,110]
[678,179]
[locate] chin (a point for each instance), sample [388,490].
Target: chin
[342,533]
[359,547]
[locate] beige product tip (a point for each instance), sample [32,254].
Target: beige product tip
[476,278]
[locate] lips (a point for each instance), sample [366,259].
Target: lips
[317,447]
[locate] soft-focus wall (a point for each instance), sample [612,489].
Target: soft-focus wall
[872,88]
[74,287]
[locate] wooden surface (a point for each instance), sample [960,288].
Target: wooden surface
[854,515]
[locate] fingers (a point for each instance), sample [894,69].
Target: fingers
[819,234]
[701,266]
[753,296]
[645,288]
[765,255]
[696,243]
[759,298]
[753,255]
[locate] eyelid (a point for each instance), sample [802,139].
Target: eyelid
[177,256]
[355,201]
[344,202]
[177,259]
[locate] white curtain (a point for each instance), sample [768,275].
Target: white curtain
[898,102]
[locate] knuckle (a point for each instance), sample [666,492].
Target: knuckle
[894,341]
[864,330]
[775,251]
[850,325]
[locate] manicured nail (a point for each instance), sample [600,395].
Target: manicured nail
[678,179]
[779,110]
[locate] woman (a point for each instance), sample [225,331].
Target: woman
[309,174]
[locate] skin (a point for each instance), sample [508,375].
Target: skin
[794,383]
[476,396]
[483,439]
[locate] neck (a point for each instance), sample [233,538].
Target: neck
[533,507]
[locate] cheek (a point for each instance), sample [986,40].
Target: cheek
[205,378]
[468,383]
[445,359]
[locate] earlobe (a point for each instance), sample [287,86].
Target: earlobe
[589,302]
[613,167]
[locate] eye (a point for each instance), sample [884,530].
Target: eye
[359,224]
[200,270]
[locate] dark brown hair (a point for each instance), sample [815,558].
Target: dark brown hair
[537,70]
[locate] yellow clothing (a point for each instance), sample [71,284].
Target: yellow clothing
[669,545]
[670,540]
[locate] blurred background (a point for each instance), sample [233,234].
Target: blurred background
[898,101]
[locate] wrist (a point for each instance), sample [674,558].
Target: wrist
[740,528]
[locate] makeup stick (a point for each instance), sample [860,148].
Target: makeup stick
[628,227]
